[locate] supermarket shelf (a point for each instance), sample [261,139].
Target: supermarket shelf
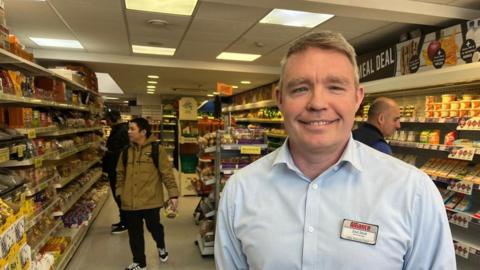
[205,248]
[256,105]
[239,146]
[169,124]
[46,236]
[229,171]
[37,130]
[168,131]
[6,98]
[29,162]
[79,194]
[474,216]
[30,191]
[277,135]
[169,116]
[210,149]
[183,140]
[31,222]
[474,249]
[168,140]
[435,147]
[258,120]
[78,235]
[448,180]
[66,180]
[73,151]
[71,131]
[421,120]
[451,76]
[10,60]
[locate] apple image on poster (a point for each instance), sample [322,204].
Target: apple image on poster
[433,49]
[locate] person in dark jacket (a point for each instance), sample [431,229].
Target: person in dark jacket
[116,142]
[383,120]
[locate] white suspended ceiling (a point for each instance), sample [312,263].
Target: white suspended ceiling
[107,30]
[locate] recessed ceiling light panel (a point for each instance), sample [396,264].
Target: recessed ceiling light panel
[247,57]
[152,76]
[295,18]
[153,50]
[177,7]
[60,43]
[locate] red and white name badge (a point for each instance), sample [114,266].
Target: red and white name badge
[359,232]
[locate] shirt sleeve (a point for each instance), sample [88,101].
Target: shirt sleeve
[382,147]
[432,244]
[228,250]
[166,171]
[120,176]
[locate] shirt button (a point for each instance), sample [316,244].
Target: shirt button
[310,229]
[314,186]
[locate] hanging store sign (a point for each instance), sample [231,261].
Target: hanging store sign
[224,89]
[377,65]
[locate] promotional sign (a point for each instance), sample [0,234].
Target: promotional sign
[188,109]
[224,89]
[455,45]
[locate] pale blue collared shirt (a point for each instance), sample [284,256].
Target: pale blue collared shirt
[272,217]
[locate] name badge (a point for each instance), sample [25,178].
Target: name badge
[359,232]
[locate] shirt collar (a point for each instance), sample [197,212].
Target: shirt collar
[350,155]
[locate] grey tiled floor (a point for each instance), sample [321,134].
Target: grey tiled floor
[102,250]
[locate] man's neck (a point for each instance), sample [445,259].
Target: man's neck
[376,126]
[314,164]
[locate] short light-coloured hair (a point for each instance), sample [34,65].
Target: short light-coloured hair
[326,40]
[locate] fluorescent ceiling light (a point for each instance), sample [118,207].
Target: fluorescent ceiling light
[153,50]
[210,95]
[125,101]
[61,43]
[152,82]
[238,56]
[150,93]
[245,82]
[215,93]
[177,7]
[110,98]
[295,18]
[151,87]
[153,76]
[234,86]
[106,84]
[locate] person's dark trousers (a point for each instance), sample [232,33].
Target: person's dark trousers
[112,178]
[134,221]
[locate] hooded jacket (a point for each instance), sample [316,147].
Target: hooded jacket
[140,184]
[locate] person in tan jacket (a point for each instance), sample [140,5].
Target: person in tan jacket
[140,188]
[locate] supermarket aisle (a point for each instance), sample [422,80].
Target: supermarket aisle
[102,250]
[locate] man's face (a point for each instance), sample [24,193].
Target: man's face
[318,99]
[134,133]
[391,121]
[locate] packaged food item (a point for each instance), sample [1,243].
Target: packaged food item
[465,104]
[455,105]
[429,99]
[450,138]
[445,106]
[474,112]
[462,113]
[475,103]
[437,114]
[412,136]
[437,106]
[456,199]
[429,106]
[448,98]
[424,136]
[434,137]
[468,97]
[444,113]
[454,113]
[447,195]
[429,113]
[402,136]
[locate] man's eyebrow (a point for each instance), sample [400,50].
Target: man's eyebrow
[337,79]
[297,81]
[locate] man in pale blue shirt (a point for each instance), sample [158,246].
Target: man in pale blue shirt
[323,200]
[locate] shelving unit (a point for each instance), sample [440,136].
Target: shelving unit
[459,80]
[78,195]
[32,221]
[66,180]
[77,235]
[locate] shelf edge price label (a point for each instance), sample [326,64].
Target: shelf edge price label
[38,162]
[461,220]
[462,250]
[4,155]
[250,150]
[31,133]
[465,153]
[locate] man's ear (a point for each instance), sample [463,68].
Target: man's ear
[278,97]
[359,94]
[381,118]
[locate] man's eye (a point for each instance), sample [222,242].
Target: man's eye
[299,89]
[336,88]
